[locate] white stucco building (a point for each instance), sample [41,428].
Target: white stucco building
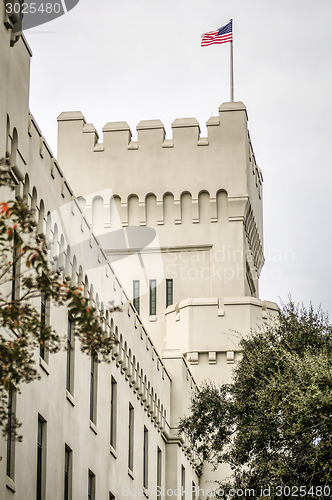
[170,229]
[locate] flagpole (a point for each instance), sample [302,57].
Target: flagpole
[231,68]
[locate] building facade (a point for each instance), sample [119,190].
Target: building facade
[170,230]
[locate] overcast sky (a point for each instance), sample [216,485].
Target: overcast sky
[141,59]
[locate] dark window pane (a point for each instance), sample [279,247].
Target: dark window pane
[153,298]
[93,389]
[169,292]
[159,468]
[43,323]
[136,295]
[131,438]
[40,452]
[10,442]
[67,473]
[113,412]
[145,457]
[91,486]
[70,355]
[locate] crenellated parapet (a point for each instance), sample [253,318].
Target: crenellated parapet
[223,323]
[151,133]
[186,162]
[162,182]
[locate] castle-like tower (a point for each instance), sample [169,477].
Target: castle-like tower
[181,221]
[170,229]
[202,196]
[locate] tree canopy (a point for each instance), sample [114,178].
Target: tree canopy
[272,425]
[26,279]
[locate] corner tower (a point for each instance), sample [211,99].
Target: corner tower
[203,198]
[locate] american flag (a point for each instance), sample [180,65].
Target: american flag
[222,35]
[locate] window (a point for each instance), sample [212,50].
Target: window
[113,412]
[10,437]
[42,322]
[153,298]
[145,457]
[131,438]
[169,292]
[16,275]
[44,310]
[93,389]
[68,473]
[70,357]
[159,469]
[41,457]
[183,483]
[193,491]
[136,295]
[250,281]
[91,485]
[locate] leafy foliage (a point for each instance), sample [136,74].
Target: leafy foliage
[273,423]
[25,277]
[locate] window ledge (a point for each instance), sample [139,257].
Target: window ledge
[70,398]
[44,365]
[130,473]
[113,451]
[152,318]
[93,427]
[10,484]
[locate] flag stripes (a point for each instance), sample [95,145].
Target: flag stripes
[222,35]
